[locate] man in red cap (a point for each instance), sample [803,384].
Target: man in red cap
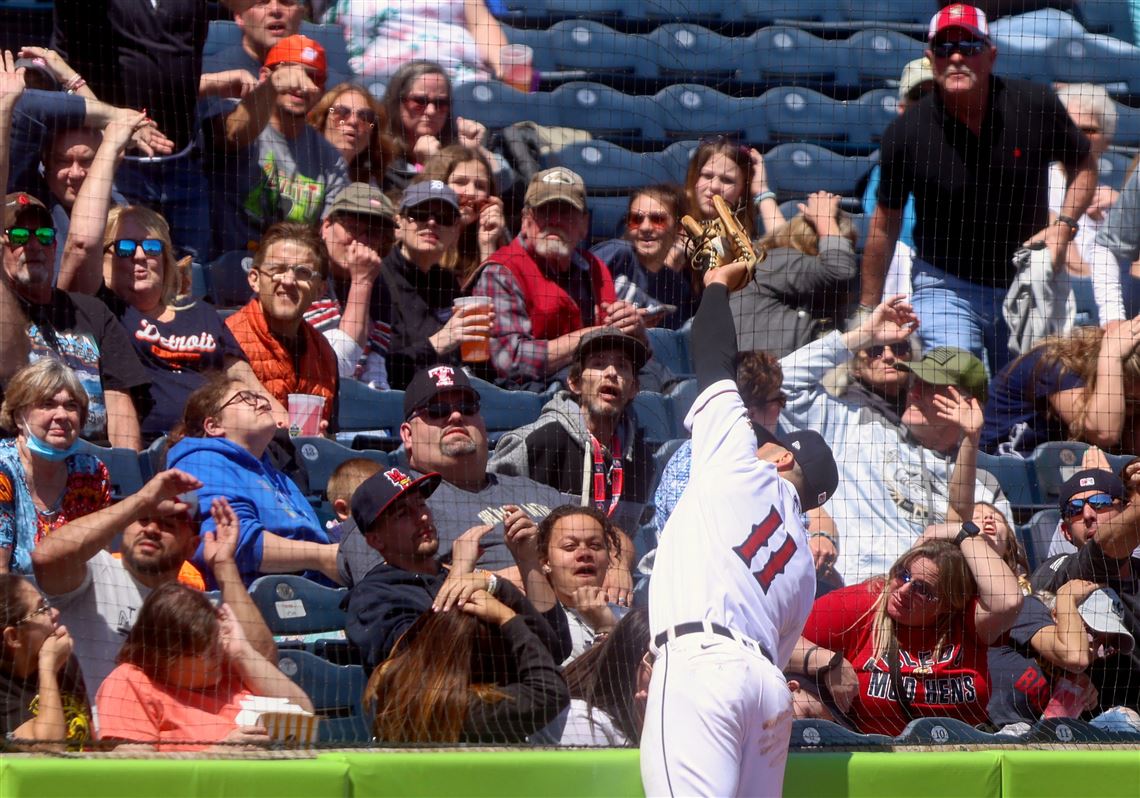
[270,166]
[975,153]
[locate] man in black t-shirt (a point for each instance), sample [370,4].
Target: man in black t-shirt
[975,153]
[1105,530]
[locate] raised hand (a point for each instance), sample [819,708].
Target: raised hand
[759,173]
[964,412]
[488,608]
[160,494]
[822,212]
[470,133]
[56,649]
[892,321]
[591,602]
[231,635]
[219,546]
[491,223]
[11,79]
[627,317]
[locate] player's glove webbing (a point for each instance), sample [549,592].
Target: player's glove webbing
[720,241]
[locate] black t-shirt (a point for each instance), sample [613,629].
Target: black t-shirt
[138,54]
[665,285]
[1117,677]
[176,353]
[19,698]
[977,198]
[1019,689]
[84,334]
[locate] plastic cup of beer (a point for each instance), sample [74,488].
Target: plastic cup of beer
[305,411]
[516,66]
[474,351]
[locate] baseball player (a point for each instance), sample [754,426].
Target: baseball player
[733,584]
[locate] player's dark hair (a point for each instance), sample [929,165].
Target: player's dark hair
[758,376]
[605,675]
[546,528]
[174,621]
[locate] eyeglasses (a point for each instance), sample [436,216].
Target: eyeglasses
[302,273]
[967,48]
[342,113]
[422,214]
[1098,501]
[920,588]
[901,350]
[43,608]
[659,220]
[19,236]
[258,401]
[780,399]
[440,411]
[420,102]
[127,247]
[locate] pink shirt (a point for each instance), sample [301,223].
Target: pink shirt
[129,706]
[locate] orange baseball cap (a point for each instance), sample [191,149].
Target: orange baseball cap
[299,50]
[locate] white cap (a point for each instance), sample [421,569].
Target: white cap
[1103,612]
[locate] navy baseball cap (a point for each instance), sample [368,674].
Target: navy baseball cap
[426,191]
[430,382]
[377,493]
[816,462]
[1091,479]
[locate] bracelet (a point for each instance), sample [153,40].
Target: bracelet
[834,542]
[833,663]
[492,583]
[763,195]
[75,84]
[807,656]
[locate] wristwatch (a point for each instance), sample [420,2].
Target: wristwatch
[1071,222]
[833,663]
[968,530]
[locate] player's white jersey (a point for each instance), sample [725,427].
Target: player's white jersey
[735,550]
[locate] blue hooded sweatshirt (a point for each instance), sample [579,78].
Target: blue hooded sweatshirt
[262,497]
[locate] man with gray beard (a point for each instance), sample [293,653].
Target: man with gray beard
[587,441]
[546,293]
[98,594]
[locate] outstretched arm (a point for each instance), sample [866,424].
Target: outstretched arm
[714,334]
[966,413]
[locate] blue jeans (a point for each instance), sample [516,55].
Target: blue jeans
[953,312]
[176,188]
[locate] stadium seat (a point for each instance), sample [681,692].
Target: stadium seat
[791,56]
[227,279]
[606,216]
[877,56]
[222,34]
[682,395]
[671,347]
[825,734]
[676,158]
[153,458]
[598,50]
[690,52]
[122,465]
[700,12]
[770,11]
[331,37]
[1038,535]
[909,13]
[1127,126]
[1095,59]
[605,112]
[1070,731]
[869,116]
[294,605]
[497,105]
[799,169]
[1023,57]
[505,410]
[321,456]
[336,692]
[1106,16]
[609,169]
[1016,475]
[1112,167]
[798,114]
[689,110]
[654,416]
[198,286]
[1054,463]
[364,409]
[942,731]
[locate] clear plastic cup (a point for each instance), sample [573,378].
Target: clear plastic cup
[305,411]
[516,66]
[474,351]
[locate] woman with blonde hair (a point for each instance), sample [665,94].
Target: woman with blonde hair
[45,481]
[1083,386]
[356,124]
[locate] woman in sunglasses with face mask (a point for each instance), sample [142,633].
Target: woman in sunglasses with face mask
[124,256]
[45,482]
[647,255]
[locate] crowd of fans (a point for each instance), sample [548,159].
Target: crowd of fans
[495,588]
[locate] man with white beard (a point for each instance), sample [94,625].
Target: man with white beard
[547,294]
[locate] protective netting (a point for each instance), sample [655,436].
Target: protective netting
[293,258]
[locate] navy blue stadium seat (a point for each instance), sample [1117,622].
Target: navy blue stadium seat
[825,734]
[497,105]
[769,11]
[654,416]
[582,44]
[1023,58]
[1038,534]
[689,110]
[791,56]
[227,279]
[321,456]
[912,13]
[122,465]
[671,347]
[223,33]
[198,287]
[606,216]
[1054,463]
[799,169]
[336,692]
[943,731]
[1070,730]
[682,395]
[872,113]
[676,158]
[1127,126]
[505,410]
[608,168]
[1106,16]
[605,112]
[153,458]
[690,52]
[294,605]
[1018,482]
[1112,167]
[877,56]
[701,12]
[1095,59]
[364,409]
[797,114]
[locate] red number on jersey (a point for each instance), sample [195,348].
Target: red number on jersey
[758,539]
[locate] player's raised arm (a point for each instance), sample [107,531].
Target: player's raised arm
[714,334]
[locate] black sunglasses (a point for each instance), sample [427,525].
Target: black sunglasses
[19,236]
[126,247]
[421,214]
[440,411]
[968,48]
[901,350]
[420,102]
[1098,501]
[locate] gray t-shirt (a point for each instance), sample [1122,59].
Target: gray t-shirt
[455,511]
[99,614]
[273,180]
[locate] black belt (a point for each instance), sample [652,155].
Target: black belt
[708,627]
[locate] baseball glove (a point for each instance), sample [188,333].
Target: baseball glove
[720,241]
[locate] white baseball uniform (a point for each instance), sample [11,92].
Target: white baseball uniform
[734,553]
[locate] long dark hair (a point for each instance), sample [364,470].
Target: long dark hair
[398,87]
[605,675]
[174,621]
[739,155]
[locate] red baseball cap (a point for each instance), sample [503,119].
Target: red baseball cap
[962,16]
[302,50]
